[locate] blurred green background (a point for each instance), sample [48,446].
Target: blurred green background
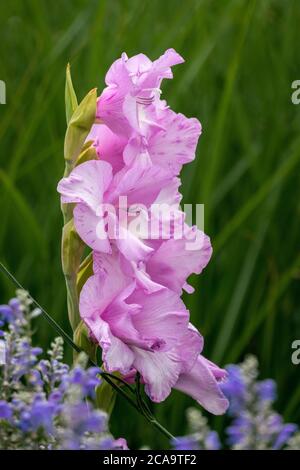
[241,58]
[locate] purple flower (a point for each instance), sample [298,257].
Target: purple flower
[34,378]
[266,390]
[185,443]
[56,397]
[86,379]
[286,432]
[25,421]
[24,358]
[5,410]
[81,418]
[109,443]
[6,313]
[241,427]
[234,389]
[41,415]
[9,313]
[212,441]
[47,404]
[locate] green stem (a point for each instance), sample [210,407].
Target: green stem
[72,301]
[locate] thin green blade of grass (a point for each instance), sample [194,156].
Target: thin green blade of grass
[276,291]
[244,278]
[27,215]
[280,175]
[225,101]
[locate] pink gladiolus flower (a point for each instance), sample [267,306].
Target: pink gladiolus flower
[172,263]
[170,144]
[142,255]
[201,382]
[169,264]
[149,333]
[109,146]
[132,84]
[92,186]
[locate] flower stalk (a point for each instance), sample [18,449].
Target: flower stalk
[80,119]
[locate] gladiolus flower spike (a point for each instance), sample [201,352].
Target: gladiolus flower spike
[121,169]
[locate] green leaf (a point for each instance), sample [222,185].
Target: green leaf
[78,129]
[85,271]
[105,397]
[70,95]
[72,250]
[88,153]
[83,341]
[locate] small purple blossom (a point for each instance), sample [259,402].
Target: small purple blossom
[213,441]
[286,432]
[5,410]
[42,413]
[234,389]
[266,390]
[87,380]
[11,312]
[254,424]
[46,404]
[186,443]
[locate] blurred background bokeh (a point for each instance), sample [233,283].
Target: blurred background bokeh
[241,59]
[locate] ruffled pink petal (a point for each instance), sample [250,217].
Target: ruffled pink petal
[96,297]
[91,228]
[116,355]
[113,308]
[141,183]
[190,346]
[138,272]
[110,111]
[160,371]
[138,67]
[109,146]
[132,79]
[87,183]
[202,385]
[169,194]
[131,247]
[161,68]
[144,280]
[110,102]
[109,265]
[172,263]
[120,314]
[176,144]
[117,75]
[99,292]
[163,315]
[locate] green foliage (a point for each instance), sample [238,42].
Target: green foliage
[83,341]
[241,58]
[70,95]
[106,397]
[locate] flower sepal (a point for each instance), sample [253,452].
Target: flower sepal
[84,342]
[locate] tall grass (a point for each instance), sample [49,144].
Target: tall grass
[241,58]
